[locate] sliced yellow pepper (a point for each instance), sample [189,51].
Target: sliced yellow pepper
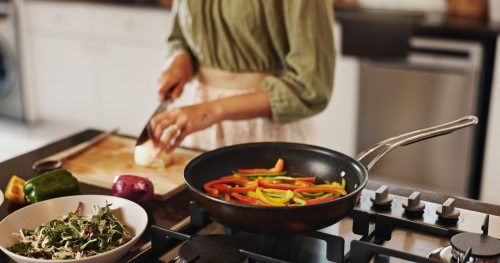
[14,192]
[267,200]
[333,185]
[282,200]
[272,190]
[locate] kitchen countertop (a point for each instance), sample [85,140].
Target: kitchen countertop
[172,211]
[164,214]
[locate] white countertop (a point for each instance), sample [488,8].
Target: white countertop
[17,137]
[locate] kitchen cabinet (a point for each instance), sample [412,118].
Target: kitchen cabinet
[65,86]
[95,64]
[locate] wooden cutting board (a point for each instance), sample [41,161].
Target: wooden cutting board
[115,156]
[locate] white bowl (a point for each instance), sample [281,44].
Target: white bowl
[129,213]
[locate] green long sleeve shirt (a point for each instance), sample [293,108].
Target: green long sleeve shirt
[291,36]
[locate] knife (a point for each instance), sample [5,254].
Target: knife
[147,132]
[145,151]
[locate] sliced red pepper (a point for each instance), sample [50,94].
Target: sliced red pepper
[297,185]
[208,187]
[243,189]
[246,200]
[320,200]
[320,190]
[222,188]
[225,188]
[278,168]
[227,197]
[304,179]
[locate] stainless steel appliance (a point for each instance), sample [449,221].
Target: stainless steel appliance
[437,81]
[390,224]
[11,96]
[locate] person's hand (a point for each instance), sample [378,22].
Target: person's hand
[175,76]
[171,127]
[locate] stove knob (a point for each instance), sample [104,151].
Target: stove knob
[413,205]
[382,199]
[447,211]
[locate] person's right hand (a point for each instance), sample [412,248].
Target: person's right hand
[175,76]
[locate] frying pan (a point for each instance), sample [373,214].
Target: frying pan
[300,159]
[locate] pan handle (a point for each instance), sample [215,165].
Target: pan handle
[372,154]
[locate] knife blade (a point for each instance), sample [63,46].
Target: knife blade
[145,151]
[147,132]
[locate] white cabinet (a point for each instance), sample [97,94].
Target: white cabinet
[63,79]
[95,64]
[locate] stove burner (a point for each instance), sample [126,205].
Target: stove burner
[484,249]
[210,248]
[483,246]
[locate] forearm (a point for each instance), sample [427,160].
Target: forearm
[247,106]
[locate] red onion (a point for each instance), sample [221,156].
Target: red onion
[136,188]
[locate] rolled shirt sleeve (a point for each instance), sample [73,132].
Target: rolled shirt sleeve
[306,85]
[176,41]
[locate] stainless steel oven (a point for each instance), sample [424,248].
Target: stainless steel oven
[437,81]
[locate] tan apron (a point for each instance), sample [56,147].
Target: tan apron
[213,84]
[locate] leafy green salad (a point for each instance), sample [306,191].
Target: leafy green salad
[73,236]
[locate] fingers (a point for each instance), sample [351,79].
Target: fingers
[178,140]
[171,86]
[168,127]
[168,143]
[166,83]
[179,88]
[159,123]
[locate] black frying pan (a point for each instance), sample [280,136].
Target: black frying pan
[300,159]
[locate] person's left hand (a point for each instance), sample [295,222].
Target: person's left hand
[171,127]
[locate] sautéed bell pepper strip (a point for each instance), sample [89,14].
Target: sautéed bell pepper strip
[291,180]
[266,199]
[299,201]
[212,191]
[320,200]
[333,190]
[277,195]
[265,183]
[246,200]
[255,175]
[278,168]
[250,186]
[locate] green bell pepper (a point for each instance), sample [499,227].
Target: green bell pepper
[49,185]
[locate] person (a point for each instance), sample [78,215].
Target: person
[261,69]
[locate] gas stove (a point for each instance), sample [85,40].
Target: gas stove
[404,226]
